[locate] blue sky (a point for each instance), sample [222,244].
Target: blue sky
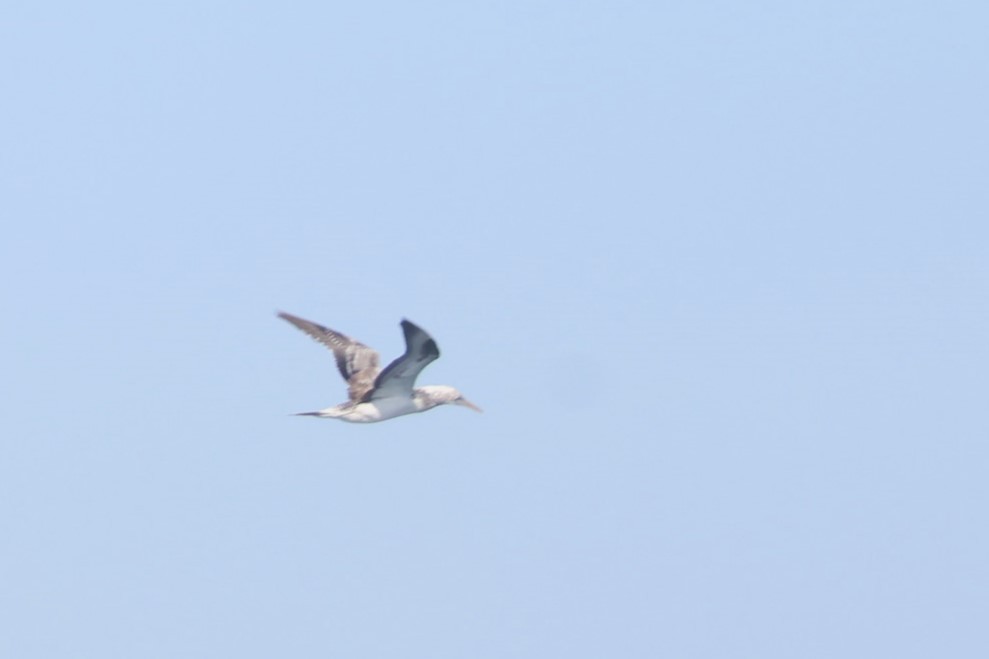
[715,271]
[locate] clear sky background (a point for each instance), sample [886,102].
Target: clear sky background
[717,272]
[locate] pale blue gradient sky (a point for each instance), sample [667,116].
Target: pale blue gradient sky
[716,271]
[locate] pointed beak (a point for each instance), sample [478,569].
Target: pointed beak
[467,403]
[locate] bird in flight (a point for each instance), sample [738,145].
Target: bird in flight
[376,395]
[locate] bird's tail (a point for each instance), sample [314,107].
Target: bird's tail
[307,414]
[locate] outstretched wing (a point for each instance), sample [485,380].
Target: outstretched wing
[358,364]
[400,376]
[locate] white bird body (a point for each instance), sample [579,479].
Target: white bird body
[379,395]
[422,399]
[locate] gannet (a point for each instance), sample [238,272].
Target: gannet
[376,395]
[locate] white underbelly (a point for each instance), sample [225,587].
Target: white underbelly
[379,410]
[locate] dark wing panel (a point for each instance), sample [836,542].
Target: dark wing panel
[399,377]
[358,364]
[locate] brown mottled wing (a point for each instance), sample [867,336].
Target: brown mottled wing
[399,377]
[358,364]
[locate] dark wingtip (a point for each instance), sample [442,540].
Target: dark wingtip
[410,329]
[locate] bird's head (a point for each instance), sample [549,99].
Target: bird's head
[440,394]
